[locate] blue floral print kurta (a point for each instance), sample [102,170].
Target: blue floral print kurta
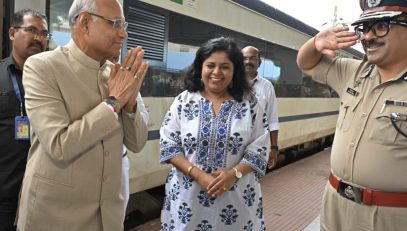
[238,134]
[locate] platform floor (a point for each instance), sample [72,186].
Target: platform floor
[292,195]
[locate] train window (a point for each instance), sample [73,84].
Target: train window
[310,88]
[279,67]
[180,56]
[162,83]
[270,70]
[186,35]
[59,26]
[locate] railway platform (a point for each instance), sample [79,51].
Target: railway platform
[292,195]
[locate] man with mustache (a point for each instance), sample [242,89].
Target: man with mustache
[83,111]
[29,36]
[264,91]
[367,189]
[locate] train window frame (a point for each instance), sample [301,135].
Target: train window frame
[58,22]
[185,35]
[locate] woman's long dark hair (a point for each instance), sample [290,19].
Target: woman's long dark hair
[239,86]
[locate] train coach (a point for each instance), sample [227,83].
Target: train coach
[171,31]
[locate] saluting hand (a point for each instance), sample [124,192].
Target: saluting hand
[332,39]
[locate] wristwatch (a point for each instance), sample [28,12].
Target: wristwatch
[238,174]
[112,101]
[274,147]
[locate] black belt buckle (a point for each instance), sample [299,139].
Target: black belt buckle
[351,192]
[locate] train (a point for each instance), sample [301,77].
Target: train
[171,31]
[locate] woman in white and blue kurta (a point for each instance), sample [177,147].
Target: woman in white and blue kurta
[216,137]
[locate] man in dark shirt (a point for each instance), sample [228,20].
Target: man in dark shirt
[29,35]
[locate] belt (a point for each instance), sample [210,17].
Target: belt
[367,196]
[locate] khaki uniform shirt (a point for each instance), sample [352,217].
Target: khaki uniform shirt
[367,150]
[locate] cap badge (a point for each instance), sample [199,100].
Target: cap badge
[373,3]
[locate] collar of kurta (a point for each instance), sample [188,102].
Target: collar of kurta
[81,57]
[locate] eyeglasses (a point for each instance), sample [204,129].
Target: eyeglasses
[34,31]
[251,58]
[116,23]
[379,29]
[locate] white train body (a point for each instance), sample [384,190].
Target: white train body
[303,117]
[171,31]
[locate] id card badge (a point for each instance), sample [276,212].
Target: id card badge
[22,128]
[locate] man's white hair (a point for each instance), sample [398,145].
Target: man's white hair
[77,7]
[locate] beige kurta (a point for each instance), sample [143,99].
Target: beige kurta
[73,176]
[367,150]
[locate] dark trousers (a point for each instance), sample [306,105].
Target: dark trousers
[8,209]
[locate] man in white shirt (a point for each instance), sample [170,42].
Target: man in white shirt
[125,160]
[265,93]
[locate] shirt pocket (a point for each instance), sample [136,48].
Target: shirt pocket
[383,131]
[9,105]
[53,173]
[347,113]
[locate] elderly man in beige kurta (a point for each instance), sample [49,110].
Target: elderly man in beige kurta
[367,189]
[82,110]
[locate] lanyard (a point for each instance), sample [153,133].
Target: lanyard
[16,87]
[17,90]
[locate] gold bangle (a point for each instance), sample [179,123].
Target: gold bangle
[190,169]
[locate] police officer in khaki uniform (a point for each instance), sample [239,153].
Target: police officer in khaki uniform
[367,188]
